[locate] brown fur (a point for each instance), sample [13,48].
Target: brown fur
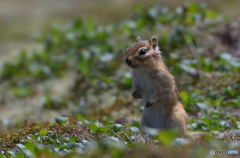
[155,85]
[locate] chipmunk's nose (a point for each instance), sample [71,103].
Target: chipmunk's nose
[128,61]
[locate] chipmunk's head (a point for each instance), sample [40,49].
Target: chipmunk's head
[142,53]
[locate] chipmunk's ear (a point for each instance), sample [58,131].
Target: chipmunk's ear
[153,42]
[138,39]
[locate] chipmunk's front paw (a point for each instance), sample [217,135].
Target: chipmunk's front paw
[136,94]
[148,104]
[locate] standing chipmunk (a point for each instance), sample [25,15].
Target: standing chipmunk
[156,86]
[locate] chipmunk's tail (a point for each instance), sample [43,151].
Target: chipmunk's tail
[192,138]
[197,137]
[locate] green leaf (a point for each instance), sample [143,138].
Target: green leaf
[43,132]
[185,97]
[167,136]
[61,120]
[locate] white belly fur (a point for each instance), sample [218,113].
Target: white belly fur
[143,80]
[152,116]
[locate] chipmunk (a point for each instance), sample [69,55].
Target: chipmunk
[153,83]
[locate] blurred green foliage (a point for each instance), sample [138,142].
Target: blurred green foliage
[208,80]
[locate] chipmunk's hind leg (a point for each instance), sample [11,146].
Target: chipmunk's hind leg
[178,120]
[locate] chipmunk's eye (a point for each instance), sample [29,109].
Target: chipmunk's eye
[143,51]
